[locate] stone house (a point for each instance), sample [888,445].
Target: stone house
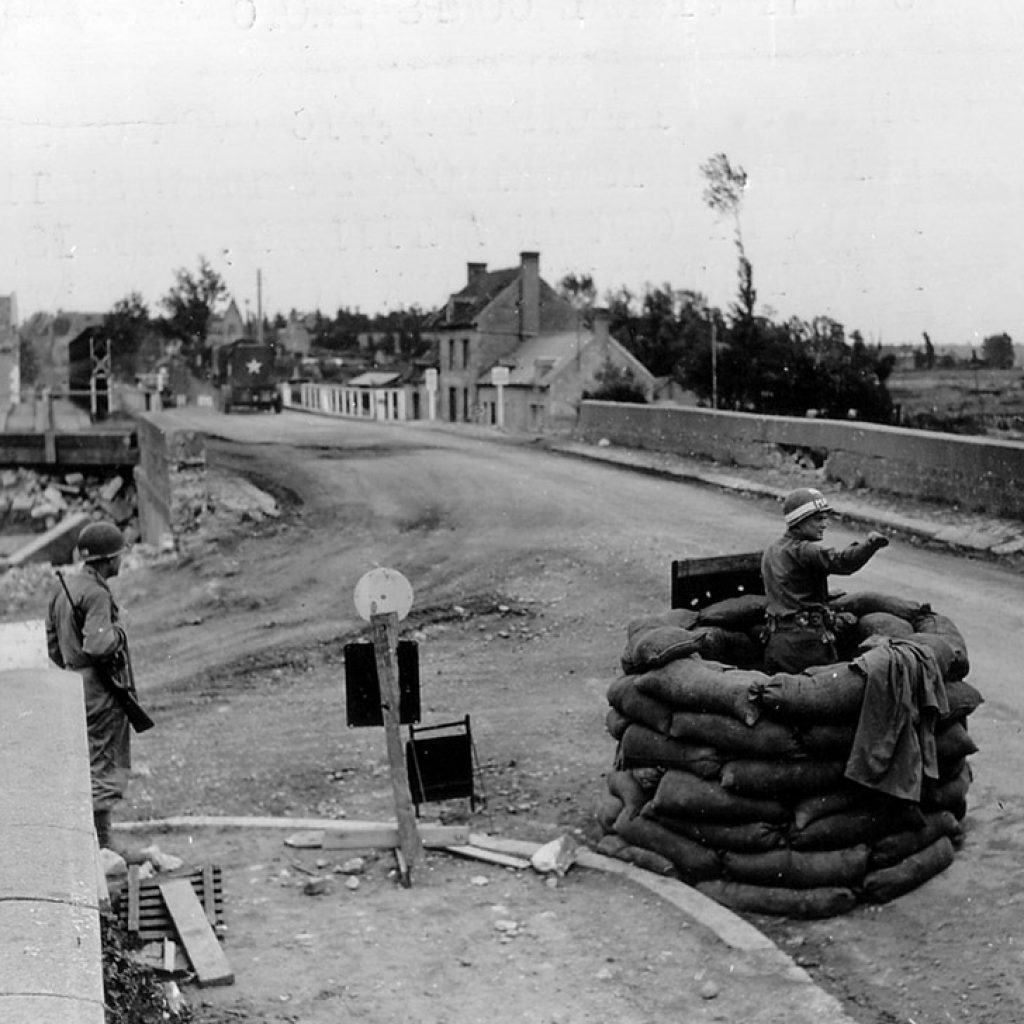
[514,321]
[484,322]
[547,376]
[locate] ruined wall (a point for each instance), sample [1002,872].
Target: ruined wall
[170,479]
[980,474]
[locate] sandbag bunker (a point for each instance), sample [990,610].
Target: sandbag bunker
[791,794]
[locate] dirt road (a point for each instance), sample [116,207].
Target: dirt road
[526,567]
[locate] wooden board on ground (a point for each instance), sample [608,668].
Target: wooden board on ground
[387,836]
[195,933]
[490,856]
[150,917]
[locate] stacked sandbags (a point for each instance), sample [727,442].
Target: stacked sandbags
[736,781]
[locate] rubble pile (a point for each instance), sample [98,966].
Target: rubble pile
[792,794]
[33,501]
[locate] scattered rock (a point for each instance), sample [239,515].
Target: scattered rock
[557,856]
[317,886]
[709,990]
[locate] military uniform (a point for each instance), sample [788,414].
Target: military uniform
[96,647]
[801,626]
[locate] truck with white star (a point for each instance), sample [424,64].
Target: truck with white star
[248,375]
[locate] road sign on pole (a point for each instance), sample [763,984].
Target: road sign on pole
[383,597]
[499,379]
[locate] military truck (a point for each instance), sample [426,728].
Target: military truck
[248,374]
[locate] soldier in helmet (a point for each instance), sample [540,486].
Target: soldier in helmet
[795,569]
[84,635]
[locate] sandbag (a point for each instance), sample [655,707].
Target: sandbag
[733,647]
[951,661]
[695,684]
[948,795]
[952,740]
[681,618]
[794,869]
[693,861]
[746,837]
[762,899]
[826,742]
[868,601]
[890,850]
[608,811]
[641,747]
[888,883]
[823,694]
[858,825]
[654,647]
[735,613]
[638,707]
[764,739]
[624,786]
[615,846]
[941,630]
[616,723]
[963,700]
[843,798]
[882,624]
[785,780]
[681,795]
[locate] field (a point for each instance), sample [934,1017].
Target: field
[962,401]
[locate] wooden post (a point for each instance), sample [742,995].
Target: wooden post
[385,639]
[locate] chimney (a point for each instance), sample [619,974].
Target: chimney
[529,294]
[601,319]
[475,273]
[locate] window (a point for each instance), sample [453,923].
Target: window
[465,353]
[451,354]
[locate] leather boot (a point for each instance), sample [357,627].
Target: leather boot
[101,822]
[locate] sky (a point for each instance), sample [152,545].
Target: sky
[358,153]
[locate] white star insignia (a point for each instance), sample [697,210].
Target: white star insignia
[253,366]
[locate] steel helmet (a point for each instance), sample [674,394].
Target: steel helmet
[100,540]
[803,503]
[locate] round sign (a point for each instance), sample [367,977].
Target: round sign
[381,591]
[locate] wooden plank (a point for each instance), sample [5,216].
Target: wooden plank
[387,836]
[490,856]
[195,934]
[385,640]
[133,898]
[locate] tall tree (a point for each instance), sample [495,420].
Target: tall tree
[724,186]
[125,326]
[997,351]
[191,303]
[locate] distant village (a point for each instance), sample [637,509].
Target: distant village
[503,348]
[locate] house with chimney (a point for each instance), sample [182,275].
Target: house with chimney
[512,352]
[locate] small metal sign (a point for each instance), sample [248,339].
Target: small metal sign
[381,591]
[430,379]
[499,376]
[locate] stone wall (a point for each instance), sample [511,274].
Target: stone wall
[170,479]
[980,474]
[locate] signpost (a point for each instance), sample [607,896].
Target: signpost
[383,597]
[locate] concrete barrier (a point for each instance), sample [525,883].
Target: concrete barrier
[978,473]
[170,478]
[51,969]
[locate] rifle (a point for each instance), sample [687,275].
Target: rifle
[136,714]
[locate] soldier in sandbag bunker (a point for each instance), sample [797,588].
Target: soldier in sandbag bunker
[795,569]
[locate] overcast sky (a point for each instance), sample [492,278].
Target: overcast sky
[361,152]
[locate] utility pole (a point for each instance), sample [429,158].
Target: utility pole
[714,364]
[259,306]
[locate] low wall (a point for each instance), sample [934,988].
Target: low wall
[980,474]
[170,478]
[50,956]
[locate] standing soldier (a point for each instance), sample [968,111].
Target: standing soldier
[795,569]
[84,635]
